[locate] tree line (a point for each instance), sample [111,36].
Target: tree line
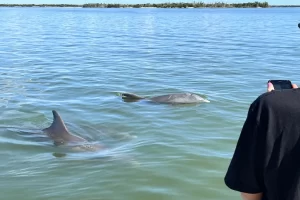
[180,5]
[40,5]
[255,4]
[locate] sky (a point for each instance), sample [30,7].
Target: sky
[271,2]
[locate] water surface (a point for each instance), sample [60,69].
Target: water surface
[76,60]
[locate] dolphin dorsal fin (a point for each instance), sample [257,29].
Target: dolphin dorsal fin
[58,126]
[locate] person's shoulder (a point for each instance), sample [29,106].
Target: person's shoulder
[276,97]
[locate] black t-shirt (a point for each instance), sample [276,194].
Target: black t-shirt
[267,155]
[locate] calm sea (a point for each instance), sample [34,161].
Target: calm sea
[76,61]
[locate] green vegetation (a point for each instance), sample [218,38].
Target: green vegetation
[180,5]
[255,4]
[40,5]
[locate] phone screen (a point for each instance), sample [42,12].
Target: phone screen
[281,84]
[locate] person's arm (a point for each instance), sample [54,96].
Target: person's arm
[244,172]
[247,196]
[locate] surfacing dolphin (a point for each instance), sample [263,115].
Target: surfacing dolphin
[60,135]
[176,98]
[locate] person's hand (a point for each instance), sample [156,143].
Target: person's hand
[271,87]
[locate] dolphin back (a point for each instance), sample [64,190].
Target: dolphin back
[180,98]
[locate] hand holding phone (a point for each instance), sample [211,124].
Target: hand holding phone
[281,84]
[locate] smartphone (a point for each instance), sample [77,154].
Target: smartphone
[281,84]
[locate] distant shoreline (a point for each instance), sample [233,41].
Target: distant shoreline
[158,5]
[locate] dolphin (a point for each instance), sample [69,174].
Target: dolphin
[60,135]
[175,98]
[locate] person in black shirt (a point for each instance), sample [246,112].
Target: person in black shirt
[266,162]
